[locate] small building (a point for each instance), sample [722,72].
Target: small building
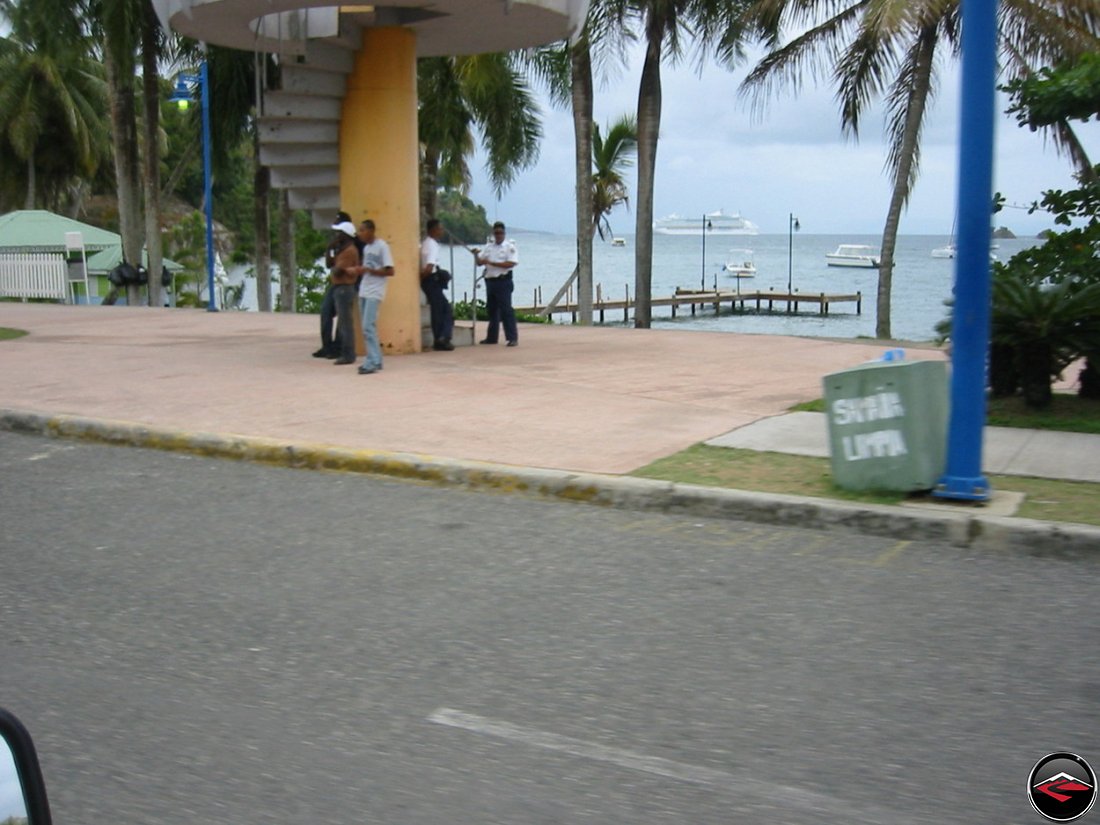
[49,256]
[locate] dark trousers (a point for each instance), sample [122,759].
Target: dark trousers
[442,319]
[343,295]
[329,341]
[498,301]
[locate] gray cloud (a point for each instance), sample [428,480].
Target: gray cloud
[714,154]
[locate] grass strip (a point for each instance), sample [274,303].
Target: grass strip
[7,333]
[1046,499]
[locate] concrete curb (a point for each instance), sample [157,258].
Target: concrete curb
[1039,538]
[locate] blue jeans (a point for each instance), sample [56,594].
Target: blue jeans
[368,309]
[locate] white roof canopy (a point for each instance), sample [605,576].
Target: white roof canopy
[442,26]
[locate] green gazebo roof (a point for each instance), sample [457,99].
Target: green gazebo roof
[36,230]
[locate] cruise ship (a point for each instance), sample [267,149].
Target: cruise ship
[714,223]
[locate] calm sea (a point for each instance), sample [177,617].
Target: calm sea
[921,283]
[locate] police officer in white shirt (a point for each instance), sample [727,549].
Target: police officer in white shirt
[433,282]
[499,257]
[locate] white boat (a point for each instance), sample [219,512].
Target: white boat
[740,264]
[618,241]
[853,254]
[712,223]
[950,251]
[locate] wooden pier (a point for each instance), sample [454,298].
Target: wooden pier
[697,300]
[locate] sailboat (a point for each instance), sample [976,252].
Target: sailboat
[949,250]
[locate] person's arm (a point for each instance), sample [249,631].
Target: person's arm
[347,261]
[386,270]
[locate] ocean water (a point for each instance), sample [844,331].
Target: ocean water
[921,283]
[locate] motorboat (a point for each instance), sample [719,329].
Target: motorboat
[740,264]
[950,251]
[618,241]
[712,223]
[855,255]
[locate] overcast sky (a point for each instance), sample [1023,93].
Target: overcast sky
[713,155]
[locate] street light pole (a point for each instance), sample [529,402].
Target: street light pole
[183,96]
[208,195]
[792,227]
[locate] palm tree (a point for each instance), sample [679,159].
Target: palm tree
[567,69]
[117,24]
[50,104]
[881,47]
[717,26]
[232,110]
[458,94]
[610,157]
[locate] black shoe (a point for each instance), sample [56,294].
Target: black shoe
[321,353]
[486,341]
[367,371]
[341,361]
[331,355]
[443,345]
[513,343]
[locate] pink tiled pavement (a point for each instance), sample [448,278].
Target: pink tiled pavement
[575,398]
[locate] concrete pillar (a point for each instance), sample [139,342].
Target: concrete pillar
[379,153]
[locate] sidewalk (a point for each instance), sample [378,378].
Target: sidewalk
[567,401]
[1006,450]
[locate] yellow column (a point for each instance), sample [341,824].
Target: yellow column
[379,152]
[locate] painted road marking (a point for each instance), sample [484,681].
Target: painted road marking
[770,792]
[892,553]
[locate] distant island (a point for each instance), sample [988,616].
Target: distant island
[1003,233]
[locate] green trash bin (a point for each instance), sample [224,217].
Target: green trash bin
[888,425]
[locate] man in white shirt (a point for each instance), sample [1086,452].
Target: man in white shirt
[499,257]
[377,268]
[433,281]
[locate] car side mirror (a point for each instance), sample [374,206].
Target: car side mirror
[22,790]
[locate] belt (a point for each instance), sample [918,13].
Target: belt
[494,277]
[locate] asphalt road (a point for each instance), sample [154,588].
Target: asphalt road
[195,640]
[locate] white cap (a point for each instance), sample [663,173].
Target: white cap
[347,227]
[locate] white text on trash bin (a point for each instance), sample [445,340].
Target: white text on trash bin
[881,406]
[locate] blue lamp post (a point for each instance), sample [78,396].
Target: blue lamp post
[183,95]
[963,477]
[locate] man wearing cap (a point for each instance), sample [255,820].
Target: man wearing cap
[330,342]
[499,257]
[342,275]
[433,282]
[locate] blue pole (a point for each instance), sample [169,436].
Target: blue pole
[208,195]
[963,477]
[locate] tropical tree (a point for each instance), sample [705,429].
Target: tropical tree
[1043,326]
[50,105]
[568,70]
[610,157]
[711,26]
[486,93]
[117,25]
[874,48]
[1052,97]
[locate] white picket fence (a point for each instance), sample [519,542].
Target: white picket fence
[34,275]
